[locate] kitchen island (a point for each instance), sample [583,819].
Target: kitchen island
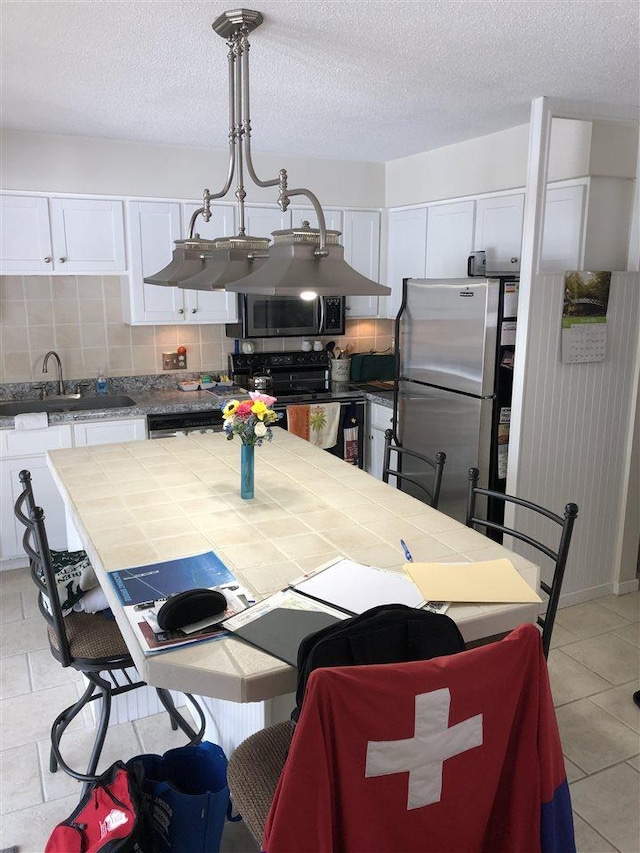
[143,502]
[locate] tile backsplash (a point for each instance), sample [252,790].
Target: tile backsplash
[81,318]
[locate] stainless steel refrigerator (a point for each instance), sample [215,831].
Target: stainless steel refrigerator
[453,383]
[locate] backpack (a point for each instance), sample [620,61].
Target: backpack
[107,818]
[389,633]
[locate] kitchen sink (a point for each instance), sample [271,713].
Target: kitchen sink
[68,403]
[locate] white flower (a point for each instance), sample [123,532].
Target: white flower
[260,429]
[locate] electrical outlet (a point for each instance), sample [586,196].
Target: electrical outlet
[169,360]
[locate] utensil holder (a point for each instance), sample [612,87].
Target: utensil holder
[340,369]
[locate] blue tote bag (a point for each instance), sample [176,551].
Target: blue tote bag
[186,797]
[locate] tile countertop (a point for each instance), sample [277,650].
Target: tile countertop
[169,401]
[172,498]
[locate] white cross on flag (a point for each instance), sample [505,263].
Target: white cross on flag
[423,755]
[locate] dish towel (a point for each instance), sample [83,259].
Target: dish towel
[33,420]
[324,420]
[317,423]
[298,421]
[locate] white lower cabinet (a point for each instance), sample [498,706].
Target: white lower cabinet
[109,432]
[26,449]
[379,419]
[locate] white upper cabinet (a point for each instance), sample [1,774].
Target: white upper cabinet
[215,306]
[87,235]
[361,240]
[406,256]
[262,221]
[62,235]
[562,236]
[153,228]
[25,235]
[498,229]
[332,218]
[449,239]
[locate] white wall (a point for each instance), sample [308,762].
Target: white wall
[485,164]
[48,163]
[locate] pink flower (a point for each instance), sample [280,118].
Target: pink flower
[263,398]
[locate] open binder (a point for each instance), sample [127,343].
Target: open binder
[335,591]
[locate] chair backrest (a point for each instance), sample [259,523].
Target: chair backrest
[415,473]
[389,633]
[36,546]
[388,757]
[557,556]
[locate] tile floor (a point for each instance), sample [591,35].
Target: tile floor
[594,667]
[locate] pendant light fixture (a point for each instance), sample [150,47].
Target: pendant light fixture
[304,261]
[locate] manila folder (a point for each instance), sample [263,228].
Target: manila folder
[494,581]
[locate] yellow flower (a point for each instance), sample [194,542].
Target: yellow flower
[230,408]
[259,409]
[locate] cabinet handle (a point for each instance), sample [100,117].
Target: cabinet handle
[180,310]
[62,260]
[193,310]
[47,260]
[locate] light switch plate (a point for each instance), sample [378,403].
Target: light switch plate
[174,361]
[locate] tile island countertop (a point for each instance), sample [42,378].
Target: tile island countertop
[143,502]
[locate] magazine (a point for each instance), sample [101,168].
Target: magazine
[144,589]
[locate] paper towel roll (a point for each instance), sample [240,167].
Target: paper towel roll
[32,420]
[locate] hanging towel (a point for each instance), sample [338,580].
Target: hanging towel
[33,420]
[324,420]
[351,429]
[298,420]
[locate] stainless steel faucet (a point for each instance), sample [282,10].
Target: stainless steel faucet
[59,363]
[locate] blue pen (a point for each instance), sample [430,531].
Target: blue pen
[407,552]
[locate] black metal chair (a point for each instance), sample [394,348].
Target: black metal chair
[558,557]
[413,469]
[90,644]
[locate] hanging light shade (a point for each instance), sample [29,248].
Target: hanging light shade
[233,258]
[301,261]
[292,268]
[190,257]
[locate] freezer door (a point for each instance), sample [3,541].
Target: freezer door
[430,419]
[448,333]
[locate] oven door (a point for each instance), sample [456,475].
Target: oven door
[350,442]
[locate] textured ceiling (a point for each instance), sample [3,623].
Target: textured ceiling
[368,80]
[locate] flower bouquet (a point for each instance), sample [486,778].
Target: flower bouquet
[251,420]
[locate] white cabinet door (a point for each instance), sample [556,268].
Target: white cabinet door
[109,432]
[562,245]
[153,227]
[25,241]
[215,306]
[379,420]
[449,239]
[332,218]
[26,449]
[87,235]
[361,237]
[262,221]
[406,255]
[498,229]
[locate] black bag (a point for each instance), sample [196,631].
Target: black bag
[389,633]
[107,819]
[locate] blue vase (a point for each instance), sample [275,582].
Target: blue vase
[246,471]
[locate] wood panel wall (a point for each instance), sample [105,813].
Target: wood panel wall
[576,431]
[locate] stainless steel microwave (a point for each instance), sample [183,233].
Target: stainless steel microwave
[290,316]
